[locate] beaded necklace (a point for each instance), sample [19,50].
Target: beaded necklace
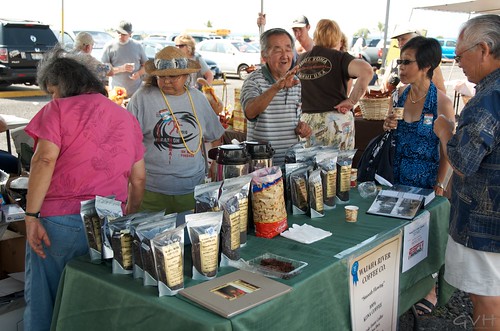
[177,123]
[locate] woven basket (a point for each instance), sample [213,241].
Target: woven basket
[374,109]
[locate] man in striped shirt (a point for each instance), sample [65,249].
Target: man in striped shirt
[271,96]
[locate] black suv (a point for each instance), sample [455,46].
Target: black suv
[22,45]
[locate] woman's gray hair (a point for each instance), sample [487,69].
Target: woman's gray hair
[67,74]
[483,28]
[264,38]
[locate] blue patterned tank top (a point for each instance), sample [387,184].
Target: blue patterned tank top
[416,160]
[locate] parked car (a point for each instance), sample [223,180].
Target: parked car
[157,37]
[372,52]
[22,45]
[197,37]
[151,47]
[139,37]
[101,38]
[233,57]
[447,47]
[67,41]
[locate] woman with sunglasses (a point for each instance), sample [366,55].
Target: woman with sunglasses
[418,159]
[176,120]
[187,45]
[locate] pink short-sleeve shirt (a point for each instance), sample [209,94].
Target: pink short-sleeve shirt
[99,142]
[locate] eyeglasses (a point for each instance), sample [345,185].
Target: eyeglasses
[457,58]
[171,79]
[405,62]
[181,45]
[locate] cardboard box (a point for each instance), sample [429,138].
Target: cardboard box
[12,213]
[11,315]
[12,253]
[239,121]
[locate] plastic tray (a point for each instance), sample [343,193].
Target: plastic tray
[255,263]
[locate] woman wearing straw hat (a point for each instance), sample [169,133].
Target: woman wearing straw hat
[175,120]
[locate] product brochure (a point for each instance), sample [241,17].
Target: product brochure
[396,204]
[235,293]
[428,193]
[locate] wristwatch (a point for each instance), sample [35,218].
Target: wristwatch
[36,215]
[440,185]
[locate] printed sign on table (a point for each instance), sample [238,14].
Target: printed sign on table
[374,287]
[416,241]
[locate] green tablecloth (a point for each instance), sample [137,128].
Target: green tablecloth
[91,298]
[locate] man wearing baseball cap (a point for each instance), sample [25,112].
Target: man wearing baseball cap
[301,27]
[84,44]
[127,58]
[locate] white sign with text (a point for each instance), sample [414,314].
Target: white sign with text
[374,287]
[416,241]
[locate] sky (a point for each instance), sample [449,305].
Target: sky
[239,16]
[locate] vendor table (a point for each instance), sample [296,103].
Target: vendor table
[12,123]
[90,297]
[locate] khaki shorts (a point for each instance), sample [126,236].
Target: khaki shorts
[472,271]
[154,201]
[331,129]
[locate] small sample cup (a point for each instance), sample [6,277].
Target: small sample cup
[351,213]
[398,112]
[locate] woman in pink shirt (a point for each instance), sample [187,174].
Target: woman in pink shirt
[85,145]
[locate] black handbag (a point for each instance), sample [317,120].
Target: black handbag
[378,159]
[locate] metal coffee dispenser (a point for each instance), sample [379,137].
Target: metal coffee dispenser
[231,161]
[261,154]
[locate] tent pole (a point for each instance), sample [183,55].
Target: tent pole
[385,50]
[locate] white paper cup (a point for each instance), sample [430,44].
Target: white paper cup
[351,213]
[398,112]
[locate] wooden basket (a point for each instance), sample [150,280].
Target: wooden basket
[374,109]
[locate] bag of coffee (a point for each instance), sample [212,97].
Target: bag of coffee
[107,209]
[168,248]
[315,189]
[146,232]
[206,197]
[344,163]
[326,161]
[230,229]
[204,232]
[241,183]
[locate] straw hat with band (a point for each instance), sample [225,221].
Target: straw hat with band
[170,61]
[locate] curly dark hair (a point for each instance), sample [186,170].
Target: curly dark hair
[70,76]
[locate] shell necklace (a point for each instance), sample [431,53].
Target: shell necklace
[177,123]
[415,101]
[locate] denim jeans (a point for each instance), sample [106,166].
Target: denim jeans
[68,240]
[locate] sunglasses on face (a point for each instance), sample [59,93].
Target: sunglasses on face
[404,62]
[180,45]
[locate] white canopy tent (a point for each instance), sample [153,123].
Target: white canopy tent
[472,7]
[468,6]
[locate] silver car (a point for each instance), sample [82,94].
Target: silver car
[232,56]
